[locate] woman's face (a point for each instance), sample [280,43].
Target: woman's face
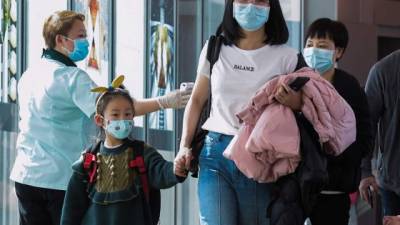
[78,30]
[251,15]
[324,43]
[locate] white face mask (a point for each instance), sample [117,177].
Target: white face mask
[250,17]
[319,59]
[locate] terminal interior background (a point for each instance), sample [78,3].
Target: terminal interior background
[125,37]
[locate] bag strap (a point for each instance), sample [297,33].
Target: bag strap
[138,163]
[213,50]
[90,162]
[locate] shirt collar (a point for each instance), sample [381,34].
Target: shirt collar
[57,56]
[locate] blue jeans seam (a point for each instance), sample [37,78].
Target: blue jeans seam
[219,196]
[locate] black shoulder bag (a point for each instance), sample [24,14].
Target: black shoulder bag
[213,49]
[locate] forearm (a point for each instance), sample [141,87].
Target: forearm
[172,100]
[161,172]
[145,106]
[190,120]
[366,165]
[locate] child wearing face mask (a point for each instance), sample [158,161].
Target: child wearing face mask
[326,42]
[109,187]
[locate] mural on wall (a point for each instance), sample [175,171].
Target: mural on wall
[97,19]
[162,79]
[8,44]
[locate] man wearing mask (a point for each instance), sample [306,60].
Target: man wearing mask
[54,106]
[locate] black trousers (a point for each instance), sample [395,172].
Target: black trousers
[39,206]
[331,210]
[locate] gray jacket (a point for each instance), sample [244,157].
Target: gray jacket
[383,93]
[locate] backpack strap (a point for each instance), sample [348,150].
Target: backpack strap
[213,49]
[138,163]
[90,162]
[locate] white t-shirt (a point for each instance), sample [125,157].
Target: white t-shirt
[236,77]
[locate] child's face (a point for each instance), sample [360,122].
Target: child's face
[118,109]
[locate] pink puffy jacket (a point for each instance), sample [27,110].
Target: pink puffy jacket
[267,145]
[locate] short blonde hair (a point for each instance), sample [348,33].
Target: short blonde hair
[61,23]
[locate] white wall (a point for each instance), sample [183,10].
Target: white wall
[38,11]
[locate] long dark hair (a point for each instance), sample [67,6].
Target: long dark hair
[275,28]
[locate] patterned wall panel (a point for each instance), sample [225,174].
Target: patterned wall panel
[98,19]
[9,45]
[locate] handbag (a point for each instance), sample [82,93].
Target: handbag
[213,50]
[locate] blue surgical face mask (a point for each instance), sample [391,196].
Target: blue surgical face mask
[250,17]
[81,49]
[319,59]
[119,129]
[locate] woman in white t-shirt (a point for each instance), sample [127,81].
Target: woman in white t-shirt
[257,32]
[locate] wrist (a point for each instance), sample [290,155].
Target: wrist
[185,148]
[159,103]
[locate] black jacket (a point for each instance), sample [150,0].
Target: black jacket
[345,169]
[294,195]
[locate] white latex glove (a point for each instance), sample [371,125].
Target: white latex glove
[175,99]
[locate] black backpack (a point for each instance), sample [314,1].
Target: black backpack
[152,197]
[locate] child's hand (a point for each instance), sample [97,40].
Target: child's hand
[179,167]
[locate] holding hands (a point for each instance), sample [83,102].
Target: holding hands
[182,162]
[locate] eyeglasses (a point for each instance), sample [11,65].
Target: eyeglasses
[256,2]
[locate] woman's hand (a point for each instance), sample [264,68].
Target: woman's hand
[182,161]
[176,99]
[287,97]
[365,184]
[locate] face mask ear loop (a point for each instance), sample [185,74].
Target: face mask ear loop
[63,47]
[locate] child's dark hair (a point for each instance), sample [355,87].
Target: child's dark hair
[105,98]
[331,29]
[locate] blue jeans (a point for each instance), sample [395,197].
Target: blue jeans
[390,202]
[226,196]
